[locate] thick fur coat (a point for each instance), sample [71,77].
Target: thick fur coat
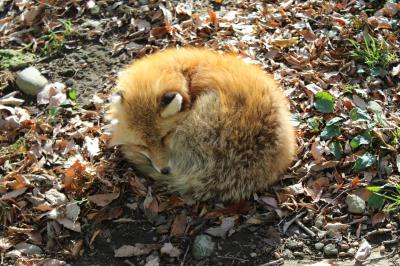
[207,125]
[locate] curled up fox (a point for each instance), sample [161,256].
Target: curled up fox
[207,125]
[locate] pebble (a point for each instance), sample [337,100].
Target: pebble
[344,246]
[351,251]
[319,221]
[94,10]
[331,250]
[253,254]
[31,81]
[319,246]
[203,247]
[287,254]
[355,204]
[292,244]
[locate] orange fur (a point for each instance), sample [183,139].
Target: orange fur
[232,136]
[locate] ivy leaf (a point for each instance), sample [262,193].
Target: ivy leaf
[72,94]
[358,114]
[374,188]
[334,121]
[364,161]
[336,148]
[313,123]
[324,102]
[376,201]
[363,139]
[330,132]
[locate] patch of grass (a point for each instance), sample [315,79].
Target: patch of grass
[373,53]
[54,40]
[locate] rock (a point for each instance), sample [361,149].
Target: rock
[355,204]
[319,221]
[319,246]
[287,254]
[203,247]
[331,250]
[292,244]
[28,249]
[95,10]
[30,81]
[55,197]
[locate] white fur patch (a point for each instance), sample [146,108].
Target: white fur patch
[115,98]
[173,107]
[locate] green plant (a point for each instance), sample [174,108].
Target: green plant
[390,193]
[372,53]
[54,40]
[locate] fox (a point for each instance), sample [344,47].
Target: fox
[203,123]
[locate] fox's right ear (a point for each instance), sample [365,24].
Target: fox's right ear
[171,103]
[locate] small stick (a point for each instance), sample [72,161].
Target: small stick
[274,262]
[359,220]
[289,223]
[233,258]
[184,256]
[390,242]
[306,229]
[378,231]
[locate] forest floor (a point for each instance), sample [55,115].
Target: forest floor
[66,197]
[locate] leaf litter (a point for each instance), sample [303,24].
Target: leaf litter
[57,175]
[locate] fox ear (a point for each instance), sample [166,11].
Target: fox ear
[171,103]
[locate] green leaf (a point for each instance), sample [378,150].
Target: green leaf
[376,201]
[364,161]
[357,114]
[314,123]
[72,94]
[324,102]
[363,139]
[374,188]
[330,132]
[336,148]
[334,121]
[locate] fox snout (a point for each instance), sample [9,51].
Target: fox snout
[160,163]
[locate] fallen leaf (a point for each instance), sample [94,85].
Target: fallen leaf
[170,250]
[363,251]
[378,217]
[179,225]
[103,199]
[13,194]
[67,223]
[136,250]
[221,231]
[92,146]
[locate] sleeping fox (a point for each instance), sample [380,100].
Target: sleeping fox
[205,124]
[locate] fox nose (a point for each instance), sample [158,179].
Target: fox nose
[165,170]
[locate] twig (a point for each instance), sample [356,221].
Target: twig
[306,229]
[378,231]
[274,262]
[184,256]
[232,258]
[391,254]
[289,223]
[359,220]
[335,199]
[390,242]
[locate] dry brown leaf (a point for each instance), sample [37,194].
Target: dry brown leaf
[103,199]
[316,151]
[14,194]
[136,250]
[150,205]
[284,43]
[363,251]
[67,223]
[378,217]
[179,225]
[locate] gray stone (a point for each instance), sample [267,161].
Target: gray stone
[28,249]
[95,10]
[319,246]
[331,250]
[292,244]
[287,254]
[355,204]
[203,247]
[30,81]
